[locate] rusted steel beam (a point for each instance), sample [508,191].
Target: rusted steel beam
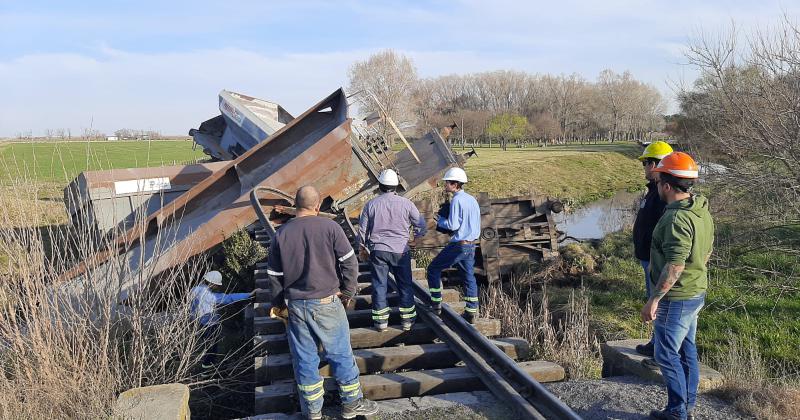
[314,149]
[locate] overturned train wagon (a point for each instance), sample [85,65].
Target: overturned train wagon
[316,148]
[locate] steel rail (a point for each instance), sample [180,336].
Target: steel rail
[501,374]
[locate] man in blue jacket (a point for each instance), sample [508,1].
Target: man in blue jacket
[206,299]
[464,224]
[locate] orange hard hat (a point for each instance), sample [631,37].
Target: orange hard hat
[679,165]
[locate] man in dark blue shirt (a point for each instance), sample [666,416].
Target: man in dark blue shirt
[650,210]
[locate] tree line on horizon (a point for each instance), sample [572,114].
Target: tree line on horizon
[512,107]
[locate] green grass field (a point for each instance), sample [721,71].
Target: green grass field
[575,173]
[60,162]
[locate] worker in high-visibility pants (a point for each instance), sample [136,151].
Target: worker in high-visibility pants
[463,222]
[313,273]
[383,235]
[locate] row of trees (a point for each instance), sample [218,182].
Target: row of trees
[513,106]
[89,133]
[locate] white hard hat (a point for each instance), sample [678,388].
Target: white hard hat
[455,174]
[389,178]
[213,277]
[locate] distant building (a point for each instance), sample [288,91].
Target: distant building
[112,138]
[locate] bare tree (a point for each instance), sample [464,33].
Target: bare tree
[392,78]
[744,112]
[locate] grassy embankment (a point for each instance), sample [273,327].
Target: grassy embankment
[574,173]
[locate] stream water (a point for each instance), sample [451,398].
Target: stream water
[599,218]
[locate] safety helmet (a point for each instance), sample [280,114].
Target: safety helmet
[213,277]
[656,150]
[679,165]
[389,178]
[455,174]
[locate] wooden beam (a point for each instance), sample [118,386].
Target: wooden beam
[281,397]
[369,337]
[384,359]
[356,319]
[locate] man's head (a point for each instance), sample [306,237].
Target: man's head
[454,179]
[388,180]
[675,175]
[652,155]
[307,201]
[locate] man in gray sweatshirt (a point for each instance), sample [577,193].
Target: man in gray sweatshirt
[305,256]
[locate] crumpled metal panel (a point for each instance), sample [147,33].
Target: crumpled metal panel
[317,148]
[514,230]
[313,149]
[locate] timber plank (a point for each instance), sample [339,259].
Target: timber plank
[369,337]
[384,359]
[282,397]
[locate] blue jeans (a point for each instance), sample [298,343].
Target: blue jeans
[463,257]
[381,263]
[676,352]
[646,268]
[312,323]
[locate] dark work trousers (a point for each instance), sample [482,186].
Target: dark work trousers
[381,264]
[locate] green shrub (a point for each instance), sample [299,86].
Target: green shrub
[241,255]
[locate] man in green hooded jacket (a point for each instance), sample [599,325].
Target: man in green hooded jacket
[682,243]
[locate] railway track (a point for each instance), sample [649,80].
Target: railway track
[441,354]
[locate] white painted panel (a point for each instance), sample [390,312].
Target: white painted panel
[141,185]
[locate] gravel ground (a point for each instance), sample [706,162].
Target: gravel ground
[620,397]
[628,397]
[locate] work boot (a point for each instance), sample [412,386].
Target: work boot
[407,325]
[362,407]
[650,364]
[645,349]
[436,308]
[315,416]
[471,317]
[381,326]
[663,415]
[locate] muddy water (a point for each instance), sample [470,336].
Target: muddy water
[599,218]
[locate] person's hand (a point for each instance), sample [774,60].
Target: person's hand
[416,242]
[649,310]
[363,254]
[280,312]
[347,301]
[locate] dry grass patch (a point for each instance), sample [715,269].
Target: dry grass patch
[564,337]
[69,347]
[749,387]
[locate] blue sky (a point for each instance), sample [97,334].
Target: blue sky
[160,64]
